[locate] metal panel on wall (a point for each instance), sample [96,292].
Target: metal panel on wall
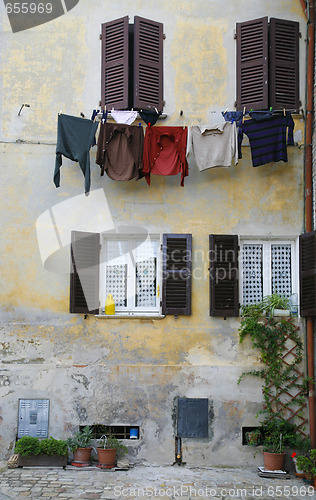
[192,417]
[33,418]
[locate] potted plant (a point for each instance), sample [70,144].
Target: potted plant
[37,452]
[81,447]
[278,434]
[307,464]
[109,448]
[276,305]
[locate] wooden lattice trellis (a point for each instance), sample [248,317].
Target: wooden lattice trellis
[289,400]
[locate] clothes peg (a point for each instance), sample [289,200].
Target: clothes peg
[139,124]
[270,108]
[60,112]
[243,115]
[156,110]
[284,111]
[149,124]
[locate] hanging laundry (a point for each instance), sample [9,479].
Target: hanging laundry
[267,138]
[93,118]
[149,116]
[120,151]
[213,145]
[230,116]
[75,137]
[124,117]
[165,152]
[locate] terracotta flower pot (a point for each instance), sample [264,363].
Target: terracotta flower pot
[82,455]
[106,457]
[273,461]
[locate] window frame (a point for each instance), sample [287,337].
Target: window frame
[131,280]
[267,243]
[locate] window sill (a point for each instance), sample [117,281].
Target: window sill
[130,315]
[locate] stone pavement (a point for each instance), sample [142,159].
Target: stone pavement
[148,482]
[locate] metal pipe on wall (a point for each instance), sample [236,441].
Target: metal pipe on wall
[308,8]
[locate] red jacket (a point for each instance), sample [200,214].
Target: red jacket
[165,152]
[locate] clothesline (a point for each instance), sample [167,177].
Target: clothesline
[125,152]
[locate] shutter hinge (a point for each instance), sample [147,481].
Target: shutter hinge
[161,247]
[100,103]
[163,103]
[300,34]
[235,36]
[164,36]
[161,303]
[100,36]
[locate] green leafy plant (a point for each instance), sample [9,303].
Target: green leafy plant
[271,336]
[28,445]
[81,439]
[307,463]
[53,446]
[275,301]
[278,434]
[253,438]
[111,442]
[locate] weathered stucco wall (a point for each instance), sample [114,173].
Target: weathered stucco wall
[131,371]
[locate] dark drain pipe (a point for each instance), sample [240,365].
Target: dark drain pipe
[308,8]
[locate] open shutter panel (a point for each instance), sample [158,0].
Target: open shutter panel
[284,64]
[308,274]
[252,64]
[223,254]
[177,271]
[114,81]
[148,64]
[84,277]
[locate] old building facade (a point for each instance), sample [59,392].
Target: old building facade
[131,369]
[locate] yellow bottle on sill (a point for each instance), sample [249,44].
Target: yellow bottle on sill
[109,305]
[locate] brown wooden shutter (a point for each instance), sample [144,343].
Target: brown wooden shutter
[114,78]
[84,276]
[284,64]
[223,259]
[252,64]
[308,274]
[177,270]
[148,64]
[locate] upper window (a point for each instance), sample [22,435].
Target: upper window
[132,64]
[268,64]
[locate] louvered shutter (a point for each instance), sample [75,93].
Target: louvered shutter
[84,277]
[223,259]
[114,78]
[148,64]
[177,270]
[308,274]
[284,64]
[252,64]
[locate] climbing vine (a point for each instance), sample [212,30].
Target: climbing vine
[281,351]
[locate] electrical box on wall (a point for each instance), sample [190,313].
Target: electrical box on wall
[33,418]
[192,418]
